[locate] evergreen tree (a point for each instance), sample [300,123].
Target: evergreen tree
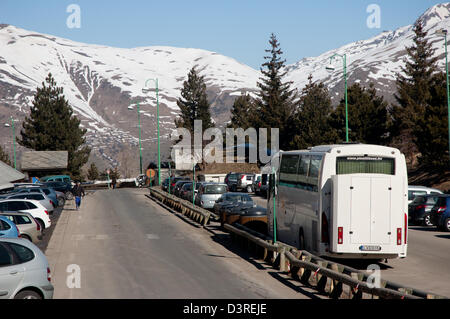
[51,126]
[413,92]
[4,157]
[431,131]
[367,116]
[243,112]
[114,173]
[93,172]
[276,100]
[310,125]
[194,103]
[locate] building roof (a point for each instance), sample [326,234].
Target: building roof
[8,174]
[44,160]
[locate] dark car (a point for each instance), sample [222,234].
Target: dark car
[420,208]
[185,191]
[229,201]
[177,187]
[231,180]
[165,184]
[62,187]
[173,181]
[440,213]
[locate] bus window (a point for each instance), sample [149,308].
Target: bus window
[313,175]
[365,165]
[288,169]
[303,169]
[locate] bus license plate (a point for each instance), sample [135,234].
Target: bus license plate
[369,248]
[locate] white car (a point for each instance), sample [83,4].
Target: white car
[24,271]
[414,191]
[33,207]
[40,197]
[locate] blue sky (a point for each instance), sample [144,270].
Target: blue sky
[239,29]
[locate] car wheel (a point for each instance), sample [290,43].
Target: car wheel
[41,223]
[69,195]
[427,220]
[446,224]
[61,201]
[27,294]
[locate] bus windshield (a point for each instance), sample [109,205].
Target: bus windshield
[365,165]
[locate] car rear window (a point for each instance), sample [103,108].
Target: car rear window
[4,225]
[22,220]
[22,252]
[30,205]
[215,189]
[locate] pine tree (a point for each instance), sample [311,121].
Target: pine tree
[431,131]
[243,112]
[310,125]
[413,92]
[276,100]
[93,173]
[4,157]
[51,126]
[367,116]
[194,103]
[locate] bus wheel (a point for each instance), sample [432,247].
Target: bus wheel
[301,240]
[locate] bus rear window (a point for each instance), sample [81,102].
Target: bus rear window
[365,165]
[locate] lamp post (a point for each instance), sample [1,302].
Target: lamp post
[140,144]
[14,139]
[443,33]
[145,90]
[330,67]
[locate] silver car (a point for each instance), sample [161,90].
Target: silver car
[24,271]
[29,228]
[208,193]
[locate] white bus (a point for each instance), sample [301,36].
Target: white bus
[343,201]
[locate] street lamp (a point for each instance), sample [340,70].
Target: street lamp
[14,139]
[331,68]
[139,126]
[145,90]
[443,33]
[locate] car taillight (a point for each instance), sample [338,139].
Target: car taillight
[325,234]
[340,235]
[38,226]
[441,209]
[406,228]
[399,236]
[46,212]
[259,184]
[420,207]
[49,276]
[242,178]
[18,232]
[51,202]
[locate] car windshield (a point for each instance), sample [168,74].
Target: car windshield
[215,189]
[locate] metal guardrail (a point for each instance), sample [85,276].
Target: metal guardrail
[186,208]
[330,278]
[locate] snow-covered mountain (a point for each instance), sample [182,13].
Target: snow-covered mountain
[100,82]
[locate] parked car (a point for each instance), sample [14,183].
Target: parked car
[245,182]
[178,185]
[48,192]
[414,191]
[174,180]
[24,271]
[28,227]
[208,193]
[257,184]
[228,201]
[165,184]
[440,213]
[40,197]
[197,186]
[231,181]
[56,178]
[62,187]
[185,190]
[420,208]
[8,229]
[33,207]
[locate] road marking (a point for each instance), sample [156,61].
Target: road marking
[78,237]
[101,237]
[152,236]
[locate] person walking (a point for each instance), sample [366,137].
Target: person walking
[78,192]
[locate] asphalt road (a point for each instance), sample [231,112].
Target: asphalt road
[427,265]
[126,246]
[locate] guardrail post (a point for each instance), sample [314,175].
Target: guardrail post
[305,273]
[283,260]
[336,286]
[321,281]
[355,292]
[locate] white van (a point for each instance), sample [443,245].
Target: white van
[344,201]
